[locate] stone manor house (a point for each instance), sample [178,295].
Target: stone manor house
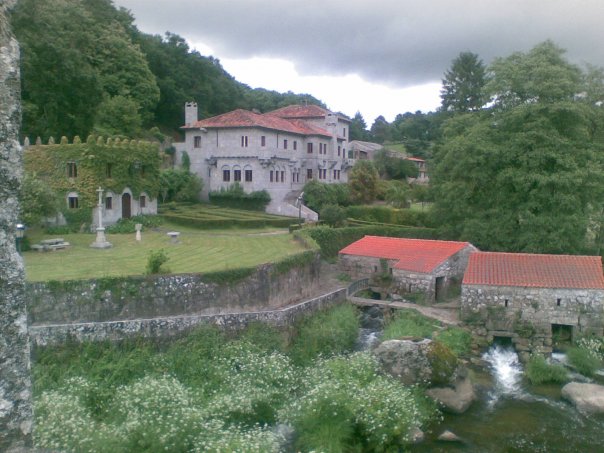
[278,151]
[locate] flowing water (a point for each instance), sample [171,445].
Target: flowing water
[511,417]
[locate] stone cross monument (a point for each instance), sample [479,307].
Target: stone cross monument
[101,241]
[15,381]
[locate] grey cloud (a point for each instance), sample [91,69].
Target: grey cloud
[398,42]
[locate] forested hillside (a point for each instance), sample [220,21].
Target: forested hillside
[87,69]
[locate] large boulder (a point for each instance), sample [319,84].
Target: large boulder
[406,360]
[455,400]
[587,398]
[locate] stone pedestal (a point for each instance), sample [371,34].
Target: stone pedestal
[101,241]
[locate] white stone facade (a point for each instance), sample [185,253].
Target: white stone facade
[261,156]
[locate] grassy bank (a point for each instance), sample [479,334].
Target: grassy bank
[216,393]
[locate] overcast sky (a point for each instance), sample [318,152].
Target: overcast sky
[380,57]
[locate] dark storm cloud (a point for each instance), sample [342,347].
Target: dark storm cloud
[399,42]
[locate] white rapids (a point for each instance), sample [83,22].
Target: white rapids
[507,371]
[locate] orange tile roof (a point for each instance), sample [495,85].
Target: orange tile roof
[532,270]
[418,255]
[415,159]
[245,118]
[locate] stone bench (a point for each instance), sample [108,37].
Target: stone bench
[173,236]
[49,245]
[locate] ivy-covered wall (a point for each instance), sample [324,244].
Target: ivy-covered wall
[111,164]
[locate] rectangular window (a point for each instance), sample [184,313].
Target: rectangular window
[344,132]
[142,201]
[248,175]
[271,176]
[282,176]
[236,175]
[244,141]
[284,144]
[108,203]
[263,140]
[108,170]
[339,149]
[73,203]
[226,175]
[336,174]
[309,173]
[72,170]
[309,148]
[295,145]
[197,141]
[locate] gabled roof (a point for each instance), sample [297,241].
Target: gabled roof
[418,255]
[533,270]
[245,118]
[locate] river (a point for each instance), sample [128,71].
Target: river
[512,417]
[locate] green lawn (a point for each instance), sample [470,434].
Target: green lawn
[197,251]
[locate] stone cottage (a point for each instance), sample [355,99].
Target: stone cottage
[277,151]
[127,171]
[415,265]
[533,299]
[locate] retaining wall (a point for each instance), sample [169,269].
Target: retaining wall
[167,326]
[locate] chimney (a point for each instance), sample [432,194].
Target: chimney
[190,113]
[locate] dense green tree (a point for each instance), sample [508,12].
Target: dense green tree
[380,130]
[541,75]
[358,128]
[390,166]
[318,194]
[526,174]
[398,194]
[118,115]
[463,84]
[363,182]
[38,201]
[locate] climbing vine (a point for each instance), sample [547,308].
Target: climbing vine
[80,167]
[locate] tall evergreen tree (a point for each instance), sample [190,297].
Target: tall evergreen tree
[463,84]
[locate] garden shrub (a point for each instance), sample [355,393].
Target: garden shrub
[332,215]
[585,362]
[389,215]
[157,258]
[126,226]
[539,371]
[409,323]
[236,197]
[330,332]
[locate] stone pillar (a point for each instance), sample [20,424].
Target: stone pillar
[15,381]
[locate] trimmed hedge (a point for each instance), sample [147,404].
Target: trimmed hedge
[389,215]
[332,240]
[205,216]
[235,197]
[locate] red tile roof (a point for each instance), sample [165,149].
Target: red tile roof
[418,255]
[245,118]
[532,270]
[299,111]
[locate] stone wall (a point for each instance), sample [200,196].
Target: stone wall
[168,326]
[15,382]
[130,298]
[526,315]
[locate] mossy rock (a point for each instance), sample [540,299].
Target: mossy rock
[443,364]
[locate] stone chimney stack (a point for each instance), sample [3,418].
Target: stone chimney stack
[190,113]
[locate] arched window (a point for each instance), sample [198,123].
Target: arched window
[226,173]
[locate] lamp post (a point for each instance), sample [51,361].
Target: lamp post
[299,200]
[19,235]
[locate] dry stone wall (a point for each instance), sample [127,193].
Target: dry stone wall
[15,383]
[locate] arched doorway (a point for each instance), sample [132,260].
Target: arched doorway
[126,206]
